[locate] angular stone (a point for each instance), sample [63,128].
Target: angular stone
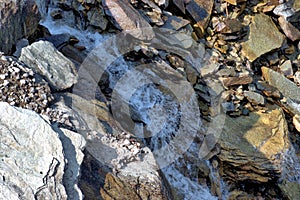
[32,160]
[284,85]
[200,10]
[180,4]
[253,147]
[296,122]
[175,23]
[126,18]
[44,59]
[239,80]
[289,30]
[19,19]
[263,38]
[286,68]
[255,98]
[290,189]
[114,188]
[96,18]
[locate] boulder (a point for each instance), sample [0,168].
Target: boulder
[253,147]
[46,60]
[32,160]
[262,27]
[19,19]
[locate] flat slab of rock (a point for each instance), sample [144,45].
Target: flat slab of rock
[126,18]
[289,30]
[253,146]
[238,80]
[18,19]
[263,38]
[46,60]
[32,161]
[284,85]
[200,10]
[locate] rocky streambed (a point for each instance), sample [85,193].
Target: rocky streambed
[150,99]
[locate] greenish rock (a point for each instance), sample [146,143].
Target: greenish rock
[263,38]
[252,147]
[290,189]
[284,85]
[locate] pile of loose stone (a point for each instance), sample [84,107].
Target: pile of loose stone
[20,87]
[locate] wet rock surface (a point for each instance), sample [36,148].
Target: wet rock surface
[241,59]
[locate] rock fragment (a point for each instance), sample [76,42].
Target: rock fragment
[238,80]
[126,18]
[44,59]
[263,37]
[289,30]
[255,98]
[284,85]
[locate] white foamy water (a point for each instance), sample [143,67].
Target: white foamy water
[156,113]
[88,39]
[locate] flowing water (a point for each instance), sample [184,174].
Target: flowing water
[149,107]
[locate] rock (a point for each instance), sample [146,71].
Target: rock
[32,160]
[73,145]
[96,18]
[114,188]
[58,40]
[20,44]
[127,19]
[19,19]
[290,189]
[289,30]
[200,11]
[253,147]
[296,122]
[180,4]
[255,98]
[286,68]
[109,146]
[284,85]
[238,80]
[263,38]
[175,23]
[297,77]
[43,58]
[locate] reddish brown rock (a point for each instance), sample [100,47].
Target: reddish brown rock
[239,80]
[126,18]
[289,30]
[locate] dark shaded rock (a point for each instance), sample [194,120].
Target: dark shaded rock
[96,18]
[126,18]
[19,19]
[200,10]
[175,23]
